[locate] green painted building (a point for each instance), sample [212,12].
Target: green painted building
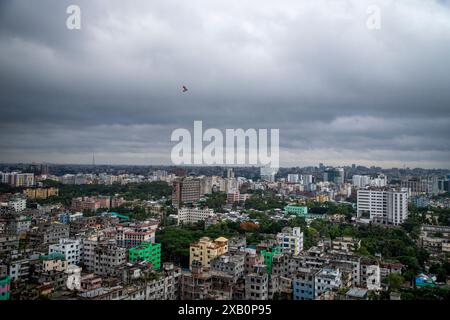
[268,256]
[147,251]
[52,256]
[5,288]
[120,216]
[297,210]
[302,211]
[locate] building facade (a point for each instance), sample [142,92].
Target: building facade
[147,251]
[185,191]
[72,250]
[193,215]
[206,250]
[383,206]
[291,240]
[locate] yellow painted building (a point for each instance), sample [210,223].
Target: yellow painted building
[54,262]
[206,250]
[322,198]
[41,193]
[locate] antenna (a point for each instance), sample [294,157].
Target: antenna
[93,159]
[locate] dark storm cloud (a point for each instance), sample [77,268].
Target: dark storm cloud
[338,92]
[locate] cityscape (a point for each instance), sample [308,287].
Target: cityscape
[224,157]
[221,233]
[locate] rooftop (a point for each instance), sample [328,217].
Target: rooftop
[53,256]
[357,292]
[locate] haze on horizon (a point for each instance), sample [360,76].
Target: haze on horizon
[339,92]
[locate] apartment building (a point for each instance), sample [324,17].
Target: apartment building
[102,257]
[383,205]
[41,193]
[19,269]
[252,259]
[70,217]
[49,233]
[193,215]
[290,240]
[303,284]
[185,191]
[17,179]
[147,251]
[233,265]
[8,243]
[370,274]
[347,244]
[233,196]
[206,250]
[435,239]
[133,234]
[257,284]
[90,203]
[196,284]
[326,280]
[53,262]
[72,250]
[5,287]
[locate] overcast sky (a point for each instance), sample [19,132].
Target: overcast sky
[339,92]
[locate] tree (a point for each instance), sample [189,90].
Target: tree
[216,200]
[249,226]
[440,272]
[395,281]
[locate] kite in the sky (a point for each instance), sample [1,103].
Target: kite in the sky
[184,89]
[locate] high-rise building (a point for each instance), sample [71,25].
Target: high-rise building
[415,186]
[384,206]
[380,181]
[293,178]
[206,185]
[359,181]
[230,173]
[44,169]
[335,175]
[17,179]
[268,174]
[185,191]
[233,196]
[307,179]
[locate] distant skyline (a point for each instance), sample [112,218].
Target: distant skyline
[204,166]
[339,92]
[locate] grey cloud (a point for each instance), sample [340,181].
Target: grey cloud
[337,91]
